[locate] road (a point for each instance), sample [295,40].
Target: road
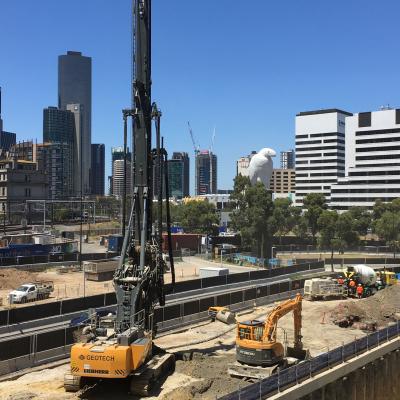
[198,262]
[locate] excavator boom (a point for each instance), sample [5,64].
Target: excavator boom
[278,312]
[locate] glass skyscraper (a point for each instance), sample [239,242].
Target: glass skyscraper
[75,90]
[178,175]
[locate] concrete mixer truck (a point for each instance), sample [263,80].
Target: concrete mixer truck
[370,279]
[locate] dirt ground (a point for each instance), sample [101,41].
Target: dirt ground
[205,376]
[70,284]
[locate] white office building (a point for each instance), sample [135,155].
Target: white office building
[320,151]
[372,160]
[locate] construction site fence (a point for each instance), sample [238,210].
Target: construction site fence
[53,258]
[307,369]
[165,317]
[308,248]
[38,311]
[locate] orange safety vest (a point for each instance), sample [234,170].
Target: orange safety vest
[352,283]
[360,289]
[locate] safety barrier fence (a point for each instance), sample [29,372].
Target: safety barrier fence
[52,258]
[30,345]
[291,248]
[45,310]
[307,369]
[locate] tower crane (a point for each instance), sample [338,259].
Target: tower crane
[121,346]
[195,146]
[196,152]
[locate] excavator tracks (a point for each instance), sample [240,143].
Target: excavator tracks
[156,369]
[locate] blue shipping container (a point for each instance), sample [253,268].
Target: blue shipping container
[115,243]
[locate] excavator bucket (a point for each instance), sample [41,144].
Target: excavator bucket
[300,354]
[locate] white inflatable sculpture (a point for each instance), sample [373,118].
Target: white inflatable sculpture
[261,166]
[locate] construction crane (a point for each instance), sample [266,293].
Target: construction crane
[120,346]
[196,147]
[196,152]
[258,352]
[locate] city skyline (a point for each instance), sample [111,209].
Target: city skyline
[285,85]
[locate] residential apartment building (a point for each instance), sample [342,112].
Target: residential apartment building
[287,159]
[283,181]
[320,151]
[372,160]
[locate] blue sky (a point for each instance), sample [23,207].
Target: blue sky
[246,67]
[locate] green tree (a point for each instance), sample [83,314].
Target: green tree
[301,227]
[315,204]
[327,230]
[197,217]
[379,208]
[361,219]
[336,231]
[284,217]
[346,233]
[252,214]
[388,228]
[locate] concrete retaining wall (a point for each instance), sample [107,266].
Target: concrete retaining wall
[374,375]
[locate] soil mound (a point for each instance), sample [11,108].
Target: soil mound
[369,313]
[11,278]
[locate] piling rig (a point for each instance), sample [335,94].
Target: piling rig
[120,346]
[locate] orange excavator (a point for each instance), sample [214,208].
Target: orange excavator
[258,353]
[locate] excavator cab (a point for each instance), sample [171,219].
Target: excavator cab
[250,348]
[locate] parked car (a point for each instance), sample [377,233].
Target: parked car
[31,292]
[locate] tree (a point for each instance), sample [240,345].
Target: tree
[315,205]
[336,231]
[327,229]
[346,233]
[361,219]
[252,214]
[379,208]
[197,217]
[388,228]
[284,217]
[301,227]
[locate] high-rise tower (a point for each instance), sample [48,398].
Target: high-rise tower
[206,172]
[75,88]
[97,170]
[178,175]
